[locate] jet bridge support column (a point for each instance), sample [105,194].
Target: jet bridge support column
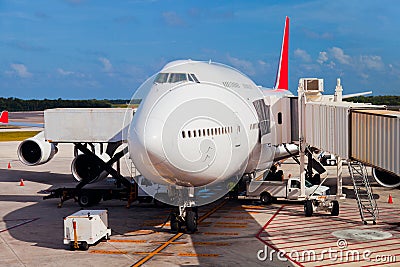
[339,179]
[302,143]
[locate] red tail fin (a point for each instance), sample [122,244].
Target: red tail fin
[4,117]
[282,76]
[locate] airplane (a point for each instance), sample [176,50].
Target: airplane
[205,125]
[200,127]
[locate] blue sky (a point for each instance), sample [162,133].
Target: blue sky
[82,49]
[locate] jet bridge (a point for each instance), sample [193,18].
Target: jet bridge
[363,134]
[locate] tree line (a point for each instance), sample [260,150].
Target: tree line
[389,100]
[16,104]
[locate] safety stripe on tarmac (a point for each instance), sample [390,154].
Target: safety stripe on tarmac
[175,237]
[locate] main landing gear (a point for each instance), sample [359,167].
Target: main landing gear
[184,216]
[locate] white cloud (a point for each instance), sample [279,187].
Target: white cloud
[339,54]
[64,72]
[302,54]
[172,19]
[372,62]
[323,57]
[244,65]
[20,70]
[107,66]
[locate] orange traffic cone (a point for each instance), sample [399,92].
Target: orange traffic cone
[9,165]
[390,200]
[21,182]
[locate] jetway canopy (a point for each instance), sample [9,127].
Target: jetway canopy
[356,131]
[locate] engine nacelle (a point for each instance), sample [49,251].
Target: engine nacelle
[36,150]
[83,168]
[386,179]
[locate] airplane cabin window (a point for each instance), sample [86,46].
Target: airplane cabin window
[183,134]
[199,133]
[161,78]
[208,132]
[189,135]
[194,133]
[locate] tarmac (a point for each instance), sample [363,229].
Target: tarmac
[231,232]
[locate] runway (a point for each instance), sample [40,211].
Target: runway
[231,232]
[30,117]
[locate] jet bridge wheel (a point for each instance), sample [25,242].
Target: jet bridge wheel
[335,208]
[266,198]
[308,208]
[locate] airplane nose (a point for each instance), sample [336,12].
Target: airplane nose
[175,138]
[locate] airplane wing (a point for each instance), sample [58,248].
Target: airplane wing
[4,121]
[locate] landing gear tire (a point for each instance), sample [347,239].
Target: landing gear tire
[266,198]
[191,221]
[175,223]
[335,208]
[308,208]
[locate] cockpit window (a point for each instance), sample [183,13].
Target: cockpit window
[194,78]
[177,77]
[161,78]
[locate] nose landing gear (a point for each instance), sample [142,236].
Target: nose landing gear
[186,216]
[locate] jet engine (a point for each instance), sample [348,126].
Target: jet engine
[83,168]
[386,179]
[36,150]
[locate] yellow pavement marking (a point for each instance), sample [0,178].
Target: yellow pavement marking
[229,226]
[219,233]
[127,241]
[197,255]
[108,252]
[175,237]
[140,232]
[173,243]
[159,253]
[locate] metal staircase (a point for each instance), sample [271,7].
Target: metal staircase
[363,192]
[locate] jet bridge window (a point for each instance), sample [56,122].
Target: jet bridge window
[263,113]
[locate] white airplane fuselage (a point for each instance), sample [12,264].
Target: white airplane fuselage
[198,125]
